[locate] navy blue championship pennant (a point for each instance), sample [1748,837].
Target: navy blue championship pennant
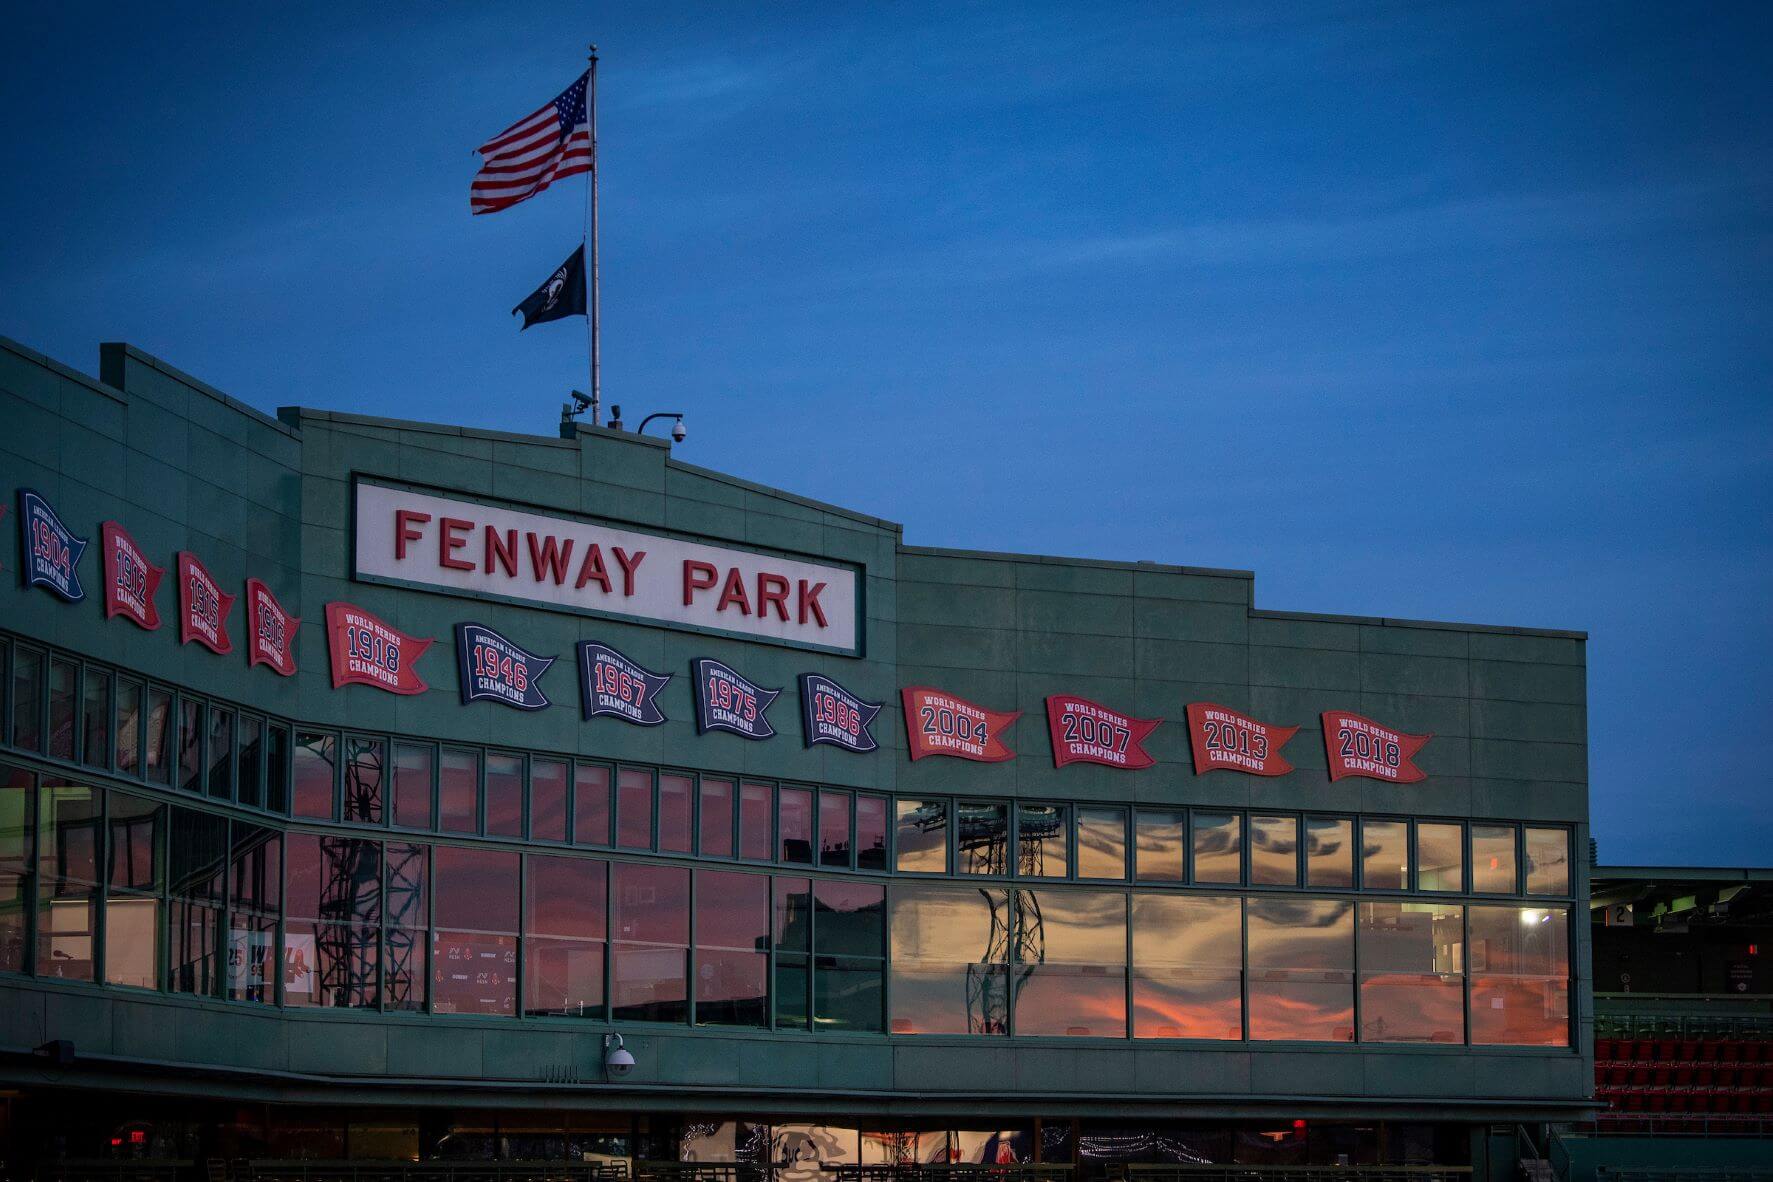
[726,701]
[831,714]
[51,551]
[493,669]
[610,684]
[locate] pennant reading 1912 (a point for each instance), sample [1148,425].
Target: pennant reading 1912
[1361,747]
[612,685]
[939,723]
[1224,739]
[831,714]
[271,630]
[203,606]
[1089,732]
[130,579]
[51,551]
[725,701]
[492,669]
[366,651]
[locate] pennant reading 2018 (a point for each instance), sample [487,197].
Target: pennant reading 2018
[1224,739]
[1361,747]
[51,551]
[726,701]
[612,685]
[493,669]
[130,579]
[271,630]
[938,723]
[203,607]
[831,714]
[366,651]
[1088,732]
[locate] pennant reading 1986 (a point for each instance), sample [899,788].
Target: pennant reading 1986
[1088,732]
[493,669]
[726,701]
[1361,747]
[130,579]
[51,551]
[831,714]
[271,630]
[366,651]
[203,607]
[939,723]
[1225,739]
[611,684]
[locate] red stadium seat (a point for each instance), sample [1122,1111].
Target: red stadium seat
[1690,1049]
[1617,1074]
[1702,1075]
[1682,1074]
[1708,1052]
[1603,1048]
[1665,1049]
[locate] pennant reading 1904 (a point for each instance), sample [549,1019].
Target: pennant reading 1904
[51,551]
[611,684]
[493,669]
[366,651]
[726,701]
[831,714]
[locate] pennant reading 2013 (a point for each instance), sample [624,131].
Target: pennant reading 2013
[1361,747]
[366,651]
[1224,739]
[831,714]
[203,607]
[1089,732]
[612,685]
[271,630]
[726,701]
[51,551]
[130,579]
[938,723]
[493,669]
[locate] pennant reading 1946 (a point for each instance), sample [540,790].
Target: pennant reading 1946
[51,551]
[271,630]
[939,723]
[203,606]
[493,669]
[831,714]
[366,651]
[1361,747]
[1089,732]
[1225,739]
[725,701]
[130,579]
[612,685]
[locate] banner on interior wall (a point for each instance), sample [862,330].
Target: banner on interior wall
[831,714]
[130,579]
[366,651]
[203,606]
[49,551]
[1226,740]
[1361,747]
[1089,732]
[492,669]
[938,723]
[271,630]
[612,686]
[725,701]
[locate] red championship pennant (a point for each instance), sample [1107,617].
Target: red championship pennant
[270,630]
[1089,732]
[1361,747]
[939,723]
[130,579]
[1223,738]
[203,606]
[366,651]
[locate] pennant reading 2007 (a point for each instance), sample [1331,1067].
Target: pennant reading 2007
[51,551]
[271,630]
[1089,732]
[726,701]
[493,669]
[366,651]
[1361,747]
[130,579]
[831,714]
[1224,739]
[203,607]
[612,685]
[939,723]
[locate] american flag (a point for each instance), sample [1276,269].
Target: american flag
[535,152]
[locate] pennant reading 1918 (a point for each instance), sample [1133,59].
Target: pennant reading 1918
[366,651]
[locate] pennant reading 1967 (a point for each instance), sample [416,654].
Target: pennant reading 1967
[726,701]
[1088,732]
[831,714]
[203,607]
[611,684]
[1361,747]
[493,669]
[51,551]
[130,579]
[939,723]
[366,651]
[1225,739]
[271,630]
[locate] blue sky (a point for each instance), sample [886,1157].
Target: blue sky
[1455,311]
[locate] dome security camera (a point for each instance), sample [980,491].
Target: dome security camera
[617,1062]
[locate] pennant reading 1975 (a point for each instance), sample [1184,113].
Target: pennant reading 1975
[493,669]
[271,630]
[725,701]
[939,723]
[51,551]
[1225,739]
[130,579]
[203,607]
[1089,732]
[366,651]
[1361,747]
[612,685]
[831,714]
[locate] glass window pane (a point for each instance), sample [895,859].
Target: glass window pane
[871,832]
[564,977]
[1161,845]
[1385,855]
[1492,860]
[251,776]
[834,829]
[474,947]
[159,736]
[566,897]
[27,699]
[948,972]
[276,769]
[197,882]
[1187,966]
[18,809]
[547,799]
[221,753]
[1301,954]
[1072,947]
[732,944]
[314,757]
[1548,861]
[504,794]
[676,813]
[757,820]
[922,838]
[793,922]
[650,926]
[634,809]
[191,746]
[1440,856]
[406,975]
[67,880]
[849,918]
[255,890]
[129,726]
[473,972]
[1218,847]
[1520,975]
[365,761]
[1329,852]
[591,811]
[475,889]
[716,823]
[135,875]
[95,713]
[1043,840]
[62,708]
[982,836]
[458,790]
[133,857]
[793,991]
[1412,972]
[1274,850]
[794,818]
[1101,843]
[847,994]
[414,765]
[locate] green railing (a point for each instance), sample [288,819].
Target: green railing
[962,1172]
[428,1171]
[1258,1173]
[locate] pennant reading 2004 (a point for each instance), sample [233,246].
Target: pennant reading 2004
[203,607]
[51,551]
[1088,732]
[939,723]
[493,669]
[1361,747]
[726,701]
[130,579]
[611,684]
[271,630]
[366,651]
[831,714]
[1224,739]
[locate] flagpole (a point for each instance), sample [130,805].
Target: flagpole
[593,278]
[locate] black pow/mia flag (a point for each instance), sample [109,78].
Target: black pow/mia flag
[563,295]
